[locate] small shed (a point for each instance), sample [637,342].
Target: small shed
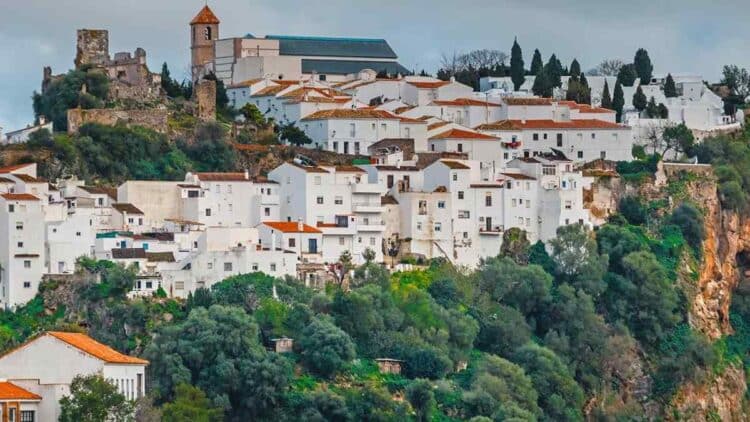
[282,344]
[389,366]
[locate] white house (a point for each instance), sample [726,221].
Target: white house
[46,365]
[22,247]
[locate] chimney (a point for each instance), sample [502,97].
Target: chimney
[300,225]
[247,174]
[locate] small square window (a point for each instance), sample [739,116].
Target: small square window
[460,194]
[27,264]
[292,243]
[20,244]
[255,267]
[26,284]
[319,200]
[273,267]
[227,266]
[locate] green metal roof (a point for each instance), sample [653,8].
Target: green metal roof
[346,67]
[290,45]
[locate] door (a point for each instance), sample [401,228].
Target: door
[488,223]
[346,147]
[312,245]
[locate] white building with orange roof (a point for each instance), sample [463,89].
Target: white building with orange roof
[18,404]
[479,147]
[338,200]
[468,112]
[423,90]
[583,140]
[352,131]
[42,370]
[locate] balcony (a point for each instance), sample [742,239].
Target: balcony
[368,208]
[512,145]
[491,231]
[372,226]
[371,188]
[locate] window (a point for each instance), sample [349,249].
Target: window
[455,177]
[227,266]
[505,155]
[273,266]
[338,200]
[372,241]
[11,208]
[580,154]
[568,205]
[208,212]
[267,211]
[513,202]
[438,227]
[548,170]
[149,284]
[255,266]
[544,136]
[210,265]
[383,127]
[336,147]
[193,194]
[317,180]
[603,155]
[19,225]
[179,285]
[342,240]
[432,147]
[464,214]
[20,244]
[319,200]
[419,226]
[131,220]
[27,416]
[460,147]
[460,194]
[488,199]
[26,284]
[441,204]
[389,181]
[352,130]
[593,136]
[292,243]
[27,264]
[535,136]
[207,33]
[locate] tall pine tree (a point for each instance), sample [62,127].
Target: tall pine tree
[643,67]
[670,89]
[517,71]
[575,69]
[606,98]
[639,99]
[536,63]
[618,101]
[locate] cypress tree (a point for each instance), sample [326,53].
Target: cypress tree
[517,72]
[606,98]
[618,101]
[643,67]
[670,89]
[585,97]
[652,110]
[536,63]
[575,69]
[627,76]
[542,86]
[663,111]
[554,71]
[639,99]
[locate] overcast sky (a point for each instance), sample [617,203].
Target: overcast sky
[681,36]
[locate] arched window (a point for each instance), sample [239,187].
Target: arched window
[207,33]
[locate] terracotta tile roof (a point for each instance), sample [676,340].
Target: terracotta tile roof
[551,124]
[19,197]
[309,169]
[428,84]
[465,102]
[128,253]
[463,134]
[10,391]
[94,348]
[528,101]
[349,169]
[290,227]
[357,113]
[403,109]
[269,91]
[245,84]
[436,125]
[205,16]
[11,169]
[287,82]
[128,208]
[223,177]
[455,165]
[160,256]
[518,176]
[29,179]
[388,200]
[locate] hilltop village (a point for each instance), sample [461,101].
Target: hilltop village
[303,190]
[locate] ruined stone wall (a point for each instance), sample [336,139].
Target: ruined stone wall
[205,98]
[92,47]
[155,119]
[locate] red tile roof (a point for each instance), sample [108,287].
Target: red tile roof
[531,101]
[94,348]
[465,102]
[127,208]
[245,84]
[455,165]
[10,391]
[290,227]
[428,84]
[436,125]
[19,197]
[585,108]
[205,16]
[551,124]
[270,90]
[358,113]
[223,177]
[463,134]
[11,169]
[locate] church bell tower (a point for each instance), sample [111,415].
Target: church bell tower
[204,31]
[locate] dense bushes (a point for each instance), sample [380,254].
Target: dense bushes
[67,92]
